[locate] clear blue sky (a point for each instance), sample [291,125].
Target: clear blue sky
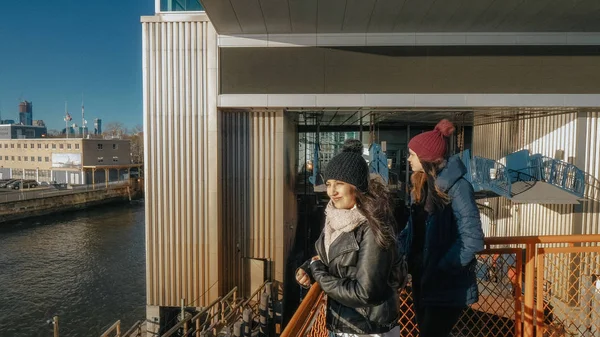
[53,50]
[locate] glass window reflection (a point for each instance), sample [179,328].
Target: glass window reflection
[180,5]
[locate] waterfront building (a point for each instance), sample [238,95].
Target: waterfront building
[64,160]
[17,131]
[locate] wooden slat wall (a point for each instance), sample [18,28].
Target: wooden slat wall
[181,160]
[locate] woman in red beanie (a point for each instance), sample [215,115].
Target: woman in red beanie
[442,235]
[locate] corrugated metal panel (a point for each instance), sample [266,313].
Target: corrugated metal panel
[548,135]
[181,162]
[503,143]
[235,184]
[262,184]
[591,207]
[258,201]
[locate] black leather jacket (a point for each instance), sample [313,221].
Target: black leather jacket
[360,280]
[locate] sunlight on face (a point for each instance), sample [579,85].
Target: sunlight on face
[414,161]
[342,194]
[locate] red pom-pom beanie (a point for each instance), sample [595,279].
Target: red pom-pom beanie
[431,145]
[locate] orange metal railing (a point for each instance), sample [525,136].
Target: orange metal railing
[529,286]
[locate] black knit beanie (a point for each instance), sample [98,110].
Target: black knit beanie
[349,166]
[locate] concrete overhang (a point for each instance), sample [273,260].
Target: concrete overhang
[539,192]
[231,17]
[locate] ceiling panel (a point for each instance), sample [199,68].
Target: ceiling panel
[277,15]
[357,15]
[466,14]
[411,15]
[222,16]
[330,16]
[303,15]
[402,117]
[552,14]
[494,15]
[579,17]
[387,16]
[249,15]
[522,15]
[438,16]
[384,15]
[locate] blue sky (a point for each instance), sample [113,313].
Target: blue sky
[53,51]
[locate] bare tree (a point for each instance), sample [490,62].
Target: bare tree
[54,133]
[137,144]
[115,129]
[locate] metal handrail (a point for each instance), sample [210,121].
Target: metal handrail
[483,180]
[559,173]
[136,326]
[542,239]
[116,326]
[302,314]
[188,319]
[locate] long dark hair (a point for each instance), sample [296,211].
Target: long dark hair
[376,206]
[424,190]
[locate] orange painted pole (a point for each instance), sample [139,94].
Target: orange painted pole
[539,315]
[529,289]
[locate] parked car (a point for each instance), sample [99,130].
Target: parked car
[30,183]
[25,183]
[59,186]
[6,183]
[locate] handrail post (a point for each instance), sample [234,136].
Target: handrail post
[222,313]
[539,312]
[529,289]
[518,293]
[55,322]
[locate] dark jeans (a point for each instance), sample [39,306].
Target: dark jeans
[434,321]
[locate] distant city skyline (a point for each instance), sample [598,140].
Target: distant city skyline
[70,48]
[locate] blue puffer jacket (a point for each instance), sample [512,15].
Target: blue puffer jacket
[452,237]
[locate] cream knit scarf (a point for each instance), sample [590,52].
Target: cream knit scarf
[338,221]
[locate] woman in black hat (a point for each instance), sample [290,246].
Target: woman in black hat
[357,264]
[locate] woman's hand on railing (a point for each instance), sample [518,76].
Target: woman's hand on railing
[302,277]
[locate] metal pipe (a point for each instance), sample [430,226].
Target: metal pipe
[301,314]
[542,239]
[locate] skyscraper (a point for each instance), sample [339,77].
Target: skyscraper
[25,113]
[97,126]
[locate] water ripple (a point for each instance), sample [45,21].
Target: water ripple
[88,267]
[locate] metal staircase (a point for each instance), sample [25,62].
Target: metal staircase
[525,178]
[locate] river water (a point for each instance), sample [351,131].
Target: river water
[87,267]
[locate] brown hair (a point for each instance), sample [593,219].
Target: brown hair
[425,191]
[376,206]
